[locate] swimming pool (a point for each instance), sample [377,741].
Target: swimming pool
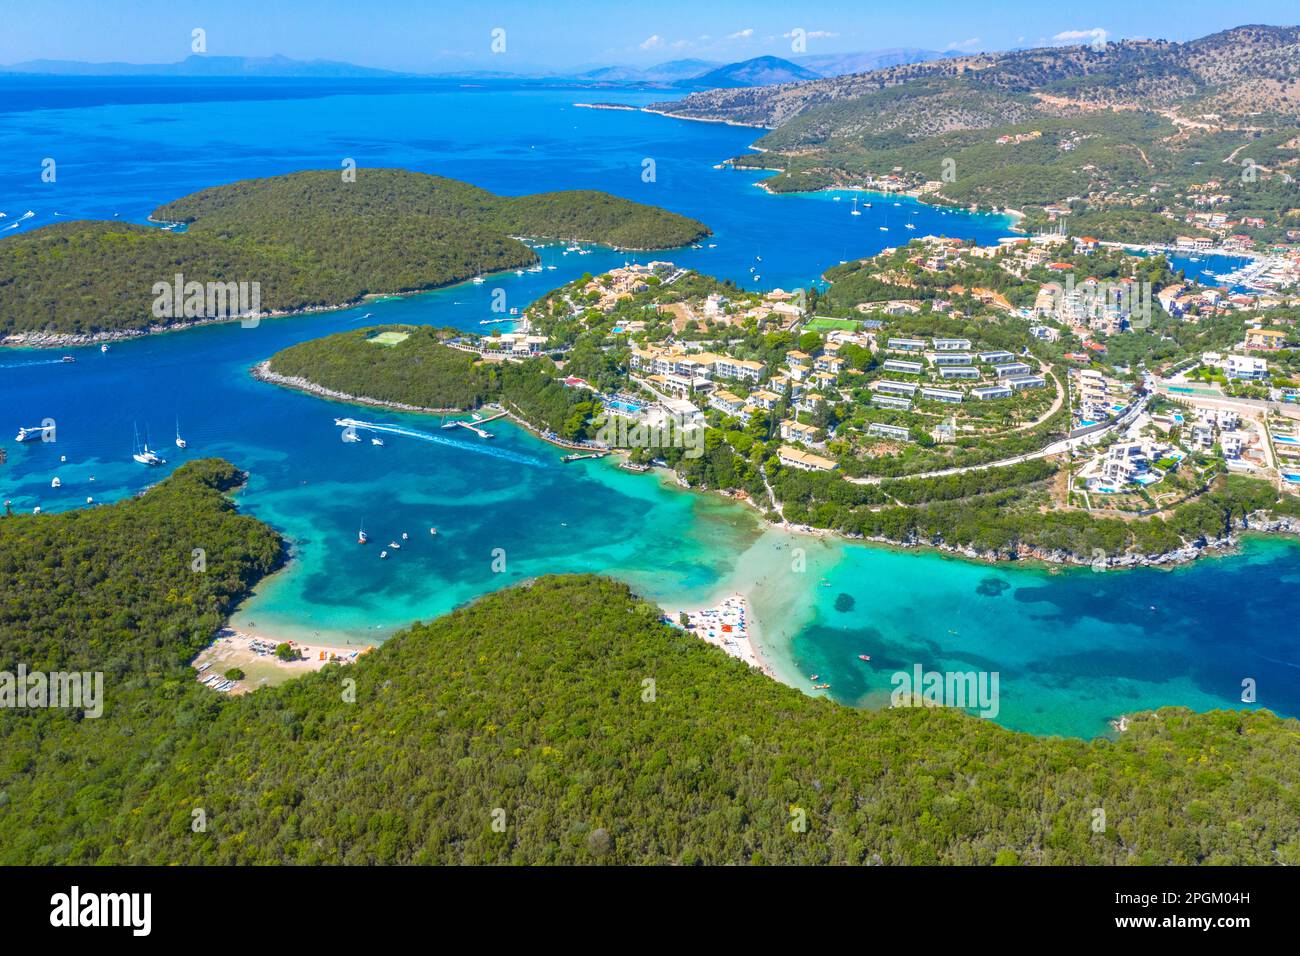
[1286,440]
[1294,479]
[631,408]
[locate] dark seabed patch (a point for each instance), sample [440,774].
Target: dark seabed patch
[992,587]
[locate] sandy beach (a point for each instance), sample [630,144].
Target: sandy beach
[729,625]
[243,649]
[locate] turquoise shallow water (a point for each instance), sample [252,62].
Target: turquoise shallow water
[1072,649]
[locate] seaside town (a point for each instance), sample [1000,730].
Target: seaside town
[942,357]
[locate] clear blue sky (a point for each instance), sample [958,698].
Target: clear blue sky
[431,35]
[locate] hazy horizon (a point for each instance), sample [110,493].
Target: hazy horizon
[517,37]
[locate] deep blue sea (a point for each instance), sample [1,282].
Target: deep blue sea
[1073,648]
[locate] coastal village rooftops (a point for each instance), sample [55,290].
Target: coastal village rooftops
[806,460]
[763,398]
[906,345]
[942,394]
[905,368]
[792,430]
[726,400]
[895,388]
[1026,381]
[1014,368]
[896,432]
[951,345]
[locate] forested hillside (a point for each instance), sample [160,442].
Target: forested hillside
[308,240]
[422,372]
[530,707]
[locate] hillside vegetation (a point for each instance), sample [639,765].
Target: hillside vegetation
[1123,130]
[423,372]
[531,707]
[308,240]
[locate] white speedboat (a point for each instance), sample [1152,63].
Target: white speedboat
[376,441]
[180,442]
[104,347]
[56,482]
[28,434]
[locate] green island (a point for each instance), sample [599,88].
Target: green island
[309,240]
[1142,141]
[444,736]
[939,394]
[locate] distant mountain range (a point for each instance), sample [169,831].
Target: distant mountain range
[1245,70]
[691,73]
[195,65]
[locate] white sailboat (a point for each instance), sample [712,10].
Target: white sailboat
[143,454]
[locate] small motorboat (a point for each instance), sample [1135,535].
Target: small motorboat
[67,358]
[405,536]
[864,657]
[376,441]
[56,482]
[104,347]
[394,545]
[362,537]
[433,531]
[383,554]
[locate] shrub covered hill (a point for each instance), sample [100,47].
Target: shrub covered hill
[1124,132]
[529,706]
[309,239]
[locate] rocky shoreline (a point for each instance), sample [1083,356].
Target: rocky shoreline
[1260,522]
[262,372]
[51,340]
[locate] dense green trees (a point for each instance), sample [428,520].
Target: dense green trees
[529,707]
[419,370]
[307,239]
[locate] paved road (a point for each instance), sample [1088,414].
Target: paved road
[1055,448]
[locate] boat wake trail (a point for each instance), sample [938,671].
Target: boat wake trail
[57,361]
[472,448]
